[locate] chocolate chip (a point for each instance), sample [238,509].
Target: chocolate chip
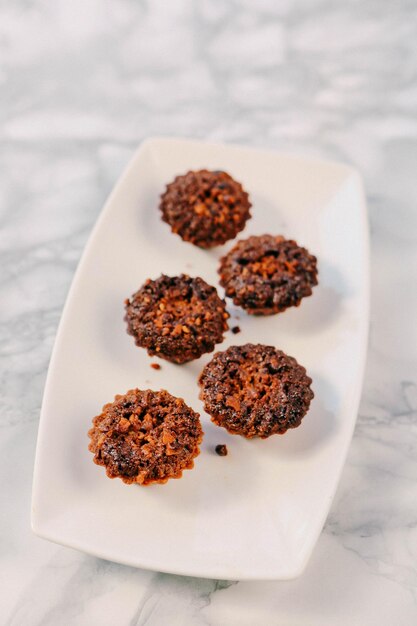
[221,449]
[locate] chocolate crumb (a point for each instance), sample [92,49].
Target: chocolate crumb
[221,449]
[155,366]
[235,330]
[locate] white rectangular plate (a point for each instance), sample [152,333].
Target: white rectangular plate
[257,513]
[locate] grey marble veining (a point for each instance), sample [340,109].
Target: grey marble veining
[81,84]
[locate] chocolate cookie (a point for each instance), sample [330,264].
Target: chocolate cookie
[145,437]
[177,319]
[267,274]
[255,390]
[205,208]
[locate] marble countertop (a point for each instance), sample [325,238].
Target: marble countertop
[81,84]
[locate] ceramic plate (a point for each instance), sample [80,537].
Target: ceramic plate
[257,513]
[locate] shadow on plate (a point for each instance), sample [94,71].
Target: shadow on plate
[166,243]
[315,430]
[323,308]
[216,483]
[112,336]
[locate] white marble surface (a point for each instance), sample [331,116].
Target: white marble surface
[81,84]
